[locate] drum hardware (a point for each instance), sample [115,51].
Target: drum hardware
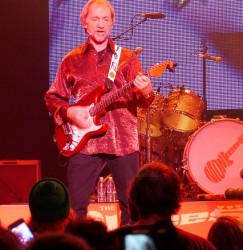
[217,117]
[155,112]
[164,86]
[190,188]
[184,168]
[182,89]
[149,122]
[210,197]
[178,138]
[148,137]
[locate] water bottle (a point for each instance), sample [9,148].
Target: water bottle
[101,190]
[115,194]
[111,190]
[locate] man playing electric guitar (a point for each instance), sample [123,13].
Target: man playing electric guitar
[90,75]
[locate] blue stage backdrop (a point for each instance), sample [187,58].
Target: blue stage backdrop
[188,27]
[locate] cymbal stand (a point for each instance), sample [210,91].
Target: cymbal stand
[148,137]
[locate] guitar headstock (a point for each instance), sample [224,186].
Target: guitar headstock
[157,69]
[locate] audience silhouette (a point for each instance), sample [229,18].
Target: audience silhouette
[57,241]
[155,195]
[8,240]
[93,231]
[226,233]
[49,204]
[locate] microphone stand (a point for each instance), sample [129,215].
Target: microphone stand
[204,51]
[147,139]
[190,184]
[130,28]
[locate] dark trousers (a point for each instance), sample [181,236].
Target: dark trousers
[84,170]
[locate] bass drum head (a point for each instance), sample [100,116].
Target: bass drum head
[214,156]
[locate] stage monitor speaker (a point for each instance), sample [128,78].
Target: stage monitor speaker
[16,179]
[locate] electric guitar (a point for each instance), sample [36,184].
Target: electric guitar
[70,139]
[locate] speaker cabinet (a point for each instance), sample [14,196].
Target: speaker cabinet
[16,179]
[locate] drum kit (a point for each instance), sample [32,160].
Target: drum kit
[206,154]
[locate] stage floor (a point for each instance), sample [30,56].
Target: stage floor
[194,216]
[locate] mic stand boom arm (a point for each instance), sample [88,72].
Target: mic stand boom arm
[130,28]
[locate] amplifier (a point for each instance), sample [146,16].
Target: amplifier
[16,179]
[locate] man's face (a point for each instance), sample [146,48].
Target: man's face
[98,23]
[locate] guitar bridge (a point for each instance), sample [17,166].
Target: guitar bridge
[72,135]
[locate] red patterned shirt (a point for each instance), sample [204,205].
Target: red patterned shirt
[79,74]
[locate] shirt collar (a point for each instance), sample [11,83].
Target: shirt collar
[111,45]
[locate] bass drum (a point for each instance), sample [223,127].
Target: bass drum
[213,156]
[183,110]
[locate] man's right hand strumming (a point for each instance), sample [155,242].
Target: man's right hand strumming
[79,116]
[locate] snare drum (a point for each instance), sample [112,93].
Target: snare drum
[183,110]
[213,156]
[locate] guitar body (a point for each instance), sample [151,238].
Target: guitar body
[71,139]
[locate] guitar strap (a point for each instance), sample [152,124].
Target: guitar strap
[113,67]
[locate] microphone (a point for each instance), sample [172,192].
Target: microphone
[208,57]
[138,50]
[153,15]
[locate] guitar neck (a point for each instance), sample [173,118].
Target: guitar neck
[155,71]
[109,99]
